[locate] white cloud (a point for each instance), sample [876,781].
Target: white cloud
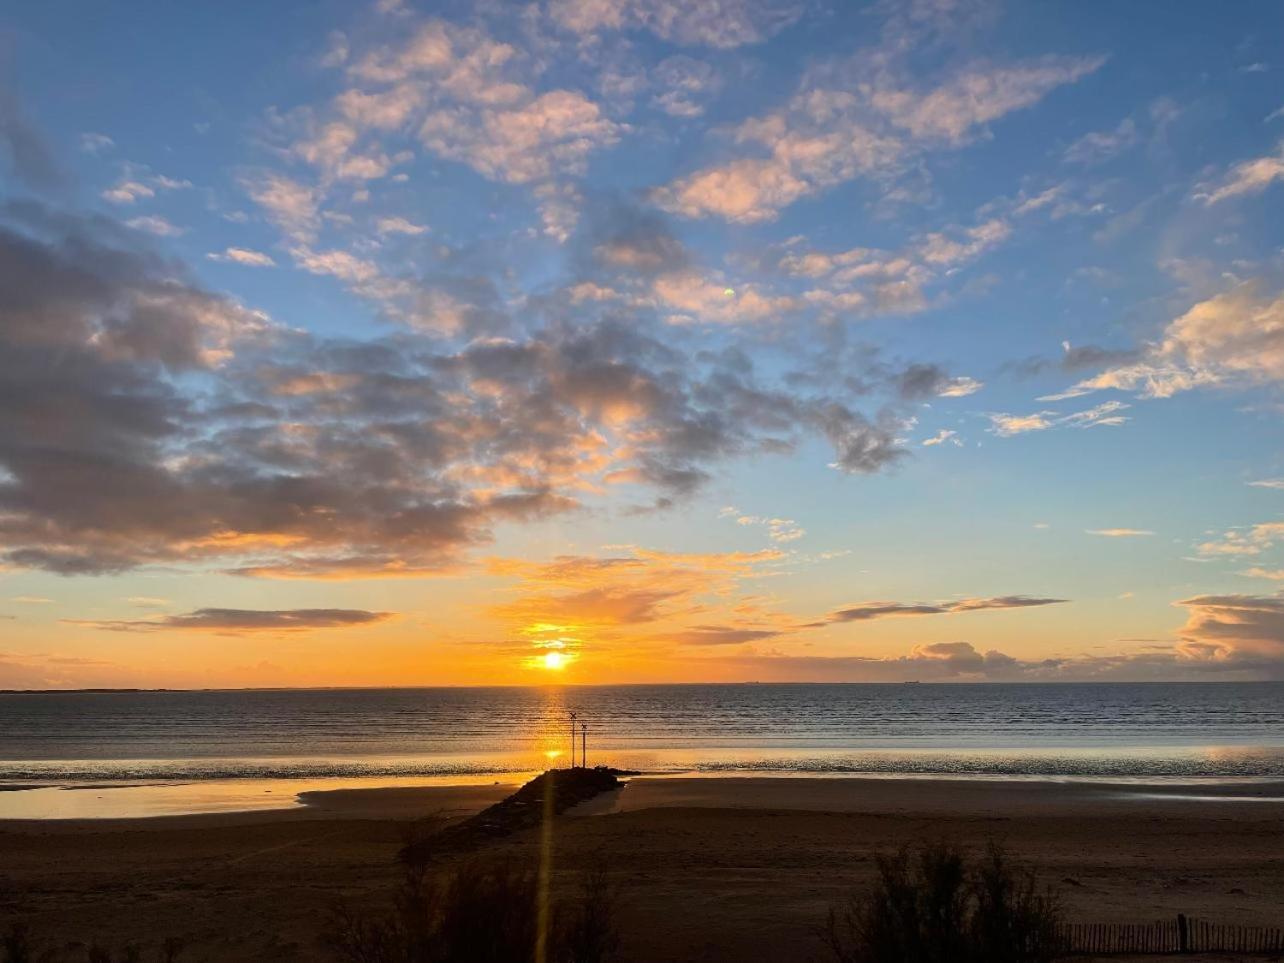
[290,205]
[1098,146]
[699,298]
[154,224]
[95,143]
[979,95]
[381,110]
[551,134]
[961,387]
[711,23]
[1105,414]
[1274,574]
[1268,483]
[137,185]
[398,225]
[340,264]
[466,97]
[1006,425]
[684,83]
[1119,532]
[1248,177]
[944,251]
[943,436]
[243,256]
[873,125]
[1234,336]
[778,529]
[127,192]
[870,280]
[811,148]
[1251,541]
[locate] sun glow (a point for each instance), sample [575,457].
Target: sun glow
[553,661]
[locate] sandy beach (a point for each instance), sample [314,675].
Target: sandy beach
[708,868]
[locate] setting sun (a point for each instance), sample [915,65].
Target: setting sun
[554,661]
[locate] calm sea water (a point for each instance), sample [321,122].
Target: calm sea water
[1214,730]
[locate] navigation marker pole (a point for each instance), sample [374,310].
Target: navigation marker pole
[572,740]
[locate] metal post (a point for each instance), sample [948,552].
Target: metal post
[584,744]
[572,740]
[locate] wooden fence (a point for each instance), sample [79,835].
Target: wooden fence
[1180,935]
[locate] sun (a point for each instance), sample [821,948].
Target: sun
[553,661]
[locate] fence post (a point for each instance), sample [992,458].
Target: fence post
[1183,940]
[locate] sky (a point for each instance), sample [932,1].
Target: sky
[405,343]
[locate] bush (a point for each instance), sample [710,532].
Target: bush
[478,912]
[932,905]
[17,946]
[587,932]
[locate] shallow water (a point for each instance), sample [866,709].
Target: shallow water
[1143,732]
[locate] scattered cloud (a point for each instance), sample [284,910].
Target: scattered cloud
[95,143]
[398,225]
[243,256]
[147,602]
[920,381]
[1099,146]
[1274,574]
[683,85]
[1235,336]
[1107,413]
[1119,532]
[141,184]
[778,529]
[722,635]
[553,133]
[870,611]
[1252,540]
[962,661]
[292,206]
[154,224]
[306,457]
[1235,631]
[943,436]
[725,24]
[641,595]
[865,118]
[236,621]
[1246,178]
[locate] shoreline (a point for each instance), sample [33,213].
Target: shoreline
[82,806]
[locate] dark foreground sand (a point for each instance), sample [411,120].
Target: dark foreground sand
[724,869]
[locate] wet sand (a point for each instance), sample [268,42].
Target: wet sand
[709,868]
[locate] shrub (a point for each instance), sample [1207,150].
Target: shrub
[17,946]
[587,932]
[932,905]
[478,912]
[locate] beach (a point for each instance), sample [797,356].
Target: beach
[709,868]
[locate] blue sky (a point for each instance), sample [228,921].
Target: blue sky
[416,342]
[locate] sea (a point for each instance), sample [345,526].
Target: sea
[211,750]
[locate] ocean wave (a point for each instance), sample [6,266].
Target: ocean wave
[188,771]
[1265,763]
